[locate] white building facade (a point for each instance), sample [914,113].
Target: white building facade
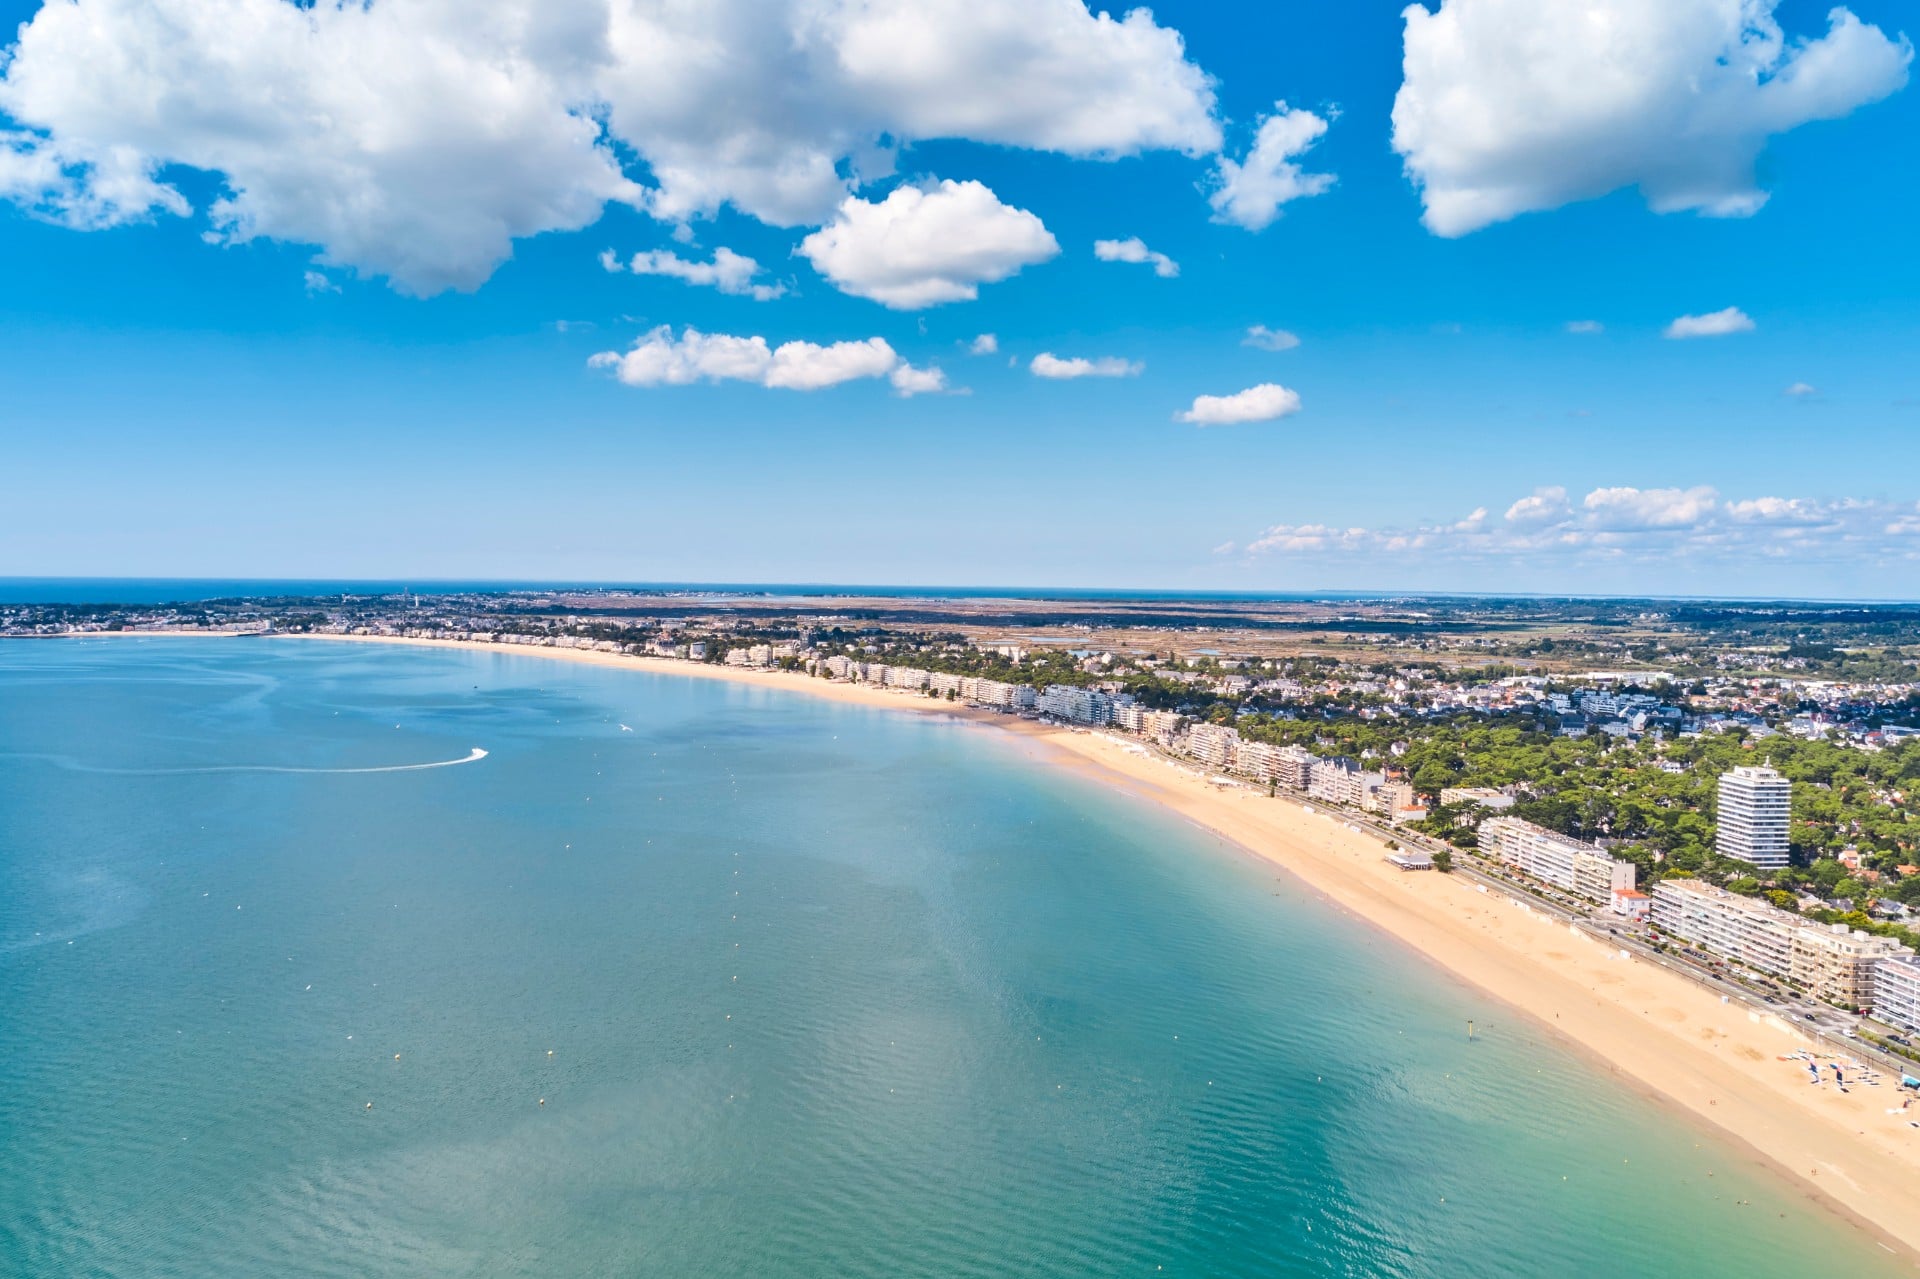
[1755,809]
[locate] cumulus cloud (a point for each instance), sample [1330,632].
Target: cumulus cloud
[1540,506]
[658,358]
[1624,508]
[985,344]
[1800,390]
[1714,324]
[1585,326]
[1512,106]
[418,139]
[1267,339]
[1262,403]
[923,246]
[318,282]
[1249,193]
[1135,250]
[729,272]
[1657,525]
[1052,366]
[908,380]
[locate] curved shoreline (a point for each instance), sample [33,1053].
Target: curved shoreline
[1668,1037]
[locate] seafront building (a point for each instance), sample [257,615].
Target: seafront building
[1213,745]
[1836,963]
[1830,962]
[1739,928]
[1076,705]
[1755,808]
[1556,859]
[1896,991]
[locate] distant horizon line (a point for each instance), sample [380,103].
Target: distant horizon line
[236,587]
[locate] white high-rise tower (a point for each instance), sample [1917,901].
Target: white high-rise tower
[1755,806]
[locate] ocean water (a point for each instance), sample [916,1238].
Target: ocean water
[805,989]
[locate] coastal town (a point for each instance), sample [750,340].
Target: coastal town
[1739,814]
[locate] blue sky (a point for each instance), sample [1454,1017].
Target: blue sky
[328,375]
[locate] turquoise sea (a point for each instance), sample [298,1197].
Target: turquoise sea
[806,989]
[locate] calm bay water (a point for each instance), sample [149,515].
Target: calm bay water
[805,989]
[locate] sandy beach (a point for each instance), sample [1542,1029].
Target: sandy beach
[1666,1036]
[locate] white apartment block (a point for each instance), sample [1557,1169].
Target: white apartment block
[1293,767]
[840,667]
[1725,923]
[992,692]
[1213,745]
[1896,991]
[1341,781]
[907,677]
[1259,760]
[1755,805]
[1480,796]
[1555,858]
[1835,963]
[1161,726]
[1131,716]
[944,684]
[1076,705]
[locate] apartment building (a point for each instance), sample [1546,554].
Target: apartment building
[1129,715]
[1076,705]
[1293,767]
[1835,963]
[1555,859]
[1259,760]
[1896,991]
[1342,781]
[1725,923]
[995,693]
[1479,796]
[1213,744]
[1162,726]
[1755,807]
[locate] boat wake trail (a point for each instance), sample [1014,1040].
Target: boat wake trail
[74,765]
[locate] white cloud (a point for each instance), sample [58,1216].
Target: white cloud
[1249,194]
[1267,339]
[1801,389]
[1135,250]
[1262,403]
[923,246]
[1513,106]
[660,359]
[1585,326]
[1778,511]
[1052,366]
[1714,324]
[318,282]
[729,272]
[985,344]
[1650,527]
[418,139]
[1624,508]
[908,380]
[1540,506]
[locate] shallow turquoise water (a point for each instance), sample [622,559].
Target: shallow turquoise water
[827,991]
